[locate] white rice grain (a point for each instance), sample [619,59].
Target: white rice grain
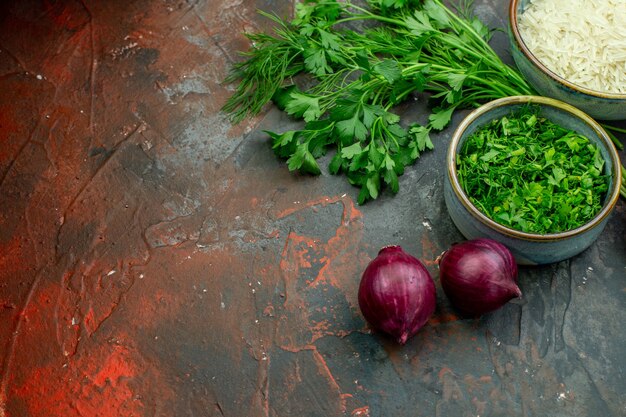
[583,41]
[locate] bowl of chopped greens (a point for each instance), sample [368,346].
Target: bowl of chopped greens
[534,173]
[574,51]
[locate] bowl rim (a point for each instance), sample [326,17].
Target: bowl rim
[513,24]
[612,194]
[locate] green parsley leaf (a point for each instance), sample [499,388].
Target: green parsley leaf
[282,96]
[419,23]
[481,29]
[441,118]
[389,163]
[397,131]
[359,162]
[310,10]
[389,69]
[329,40]
[303,160]
[364,195]
[307,30]
[310,165]
[396,4]
[490,155]
[421,135]
[297,159]
[437,13]
[390,118]
[376,155]
[348,152]
[370,113]
[315,61]
[284,144]
[303,105]
[351,128]
[373,185]
[391,179]
[335,163]
[456,80]
[345,108]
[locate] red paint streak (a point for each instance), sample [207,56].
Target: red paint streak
[114,369]
[98,385]
[445,371]
[340,263]
[266,390]
[56,69]
[361,412]
[35,309]
[9,253]
[451,389]
[66,17]
[477,386]
[340,250]
[9,131]
[485,379]
[442,318]
[304,245]
[8,122]
[430,252]
[321,329]
[350,212]
[324,369]
[90,321]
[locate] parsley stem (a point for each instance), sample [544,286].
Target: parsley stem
[614,128]
[623,184]
[357,17]
[608,129]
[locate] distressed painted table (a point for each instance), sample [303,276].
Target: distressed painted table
[156,260]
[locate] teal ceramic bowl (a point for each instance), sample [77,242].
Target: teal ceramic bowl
[530,248]
[600,105]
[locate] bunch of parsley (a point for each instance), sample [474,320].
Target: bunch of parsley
[354,63]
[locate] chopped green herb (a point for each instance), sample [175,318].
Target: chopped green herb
[528,173]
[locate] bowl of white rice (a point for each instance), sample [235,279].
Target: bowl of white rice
[574,51]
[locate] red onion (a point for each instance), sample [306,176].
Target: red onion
[478,276]
[396,294]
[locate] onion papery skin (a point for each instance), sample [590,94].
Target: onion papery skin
[478,276]
[397,294]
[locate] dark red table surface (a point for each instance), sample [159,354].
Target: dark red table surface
[156,260]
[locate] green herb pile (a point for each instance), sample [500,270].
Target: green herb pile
[343,67]
[355,77]
[530,174]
